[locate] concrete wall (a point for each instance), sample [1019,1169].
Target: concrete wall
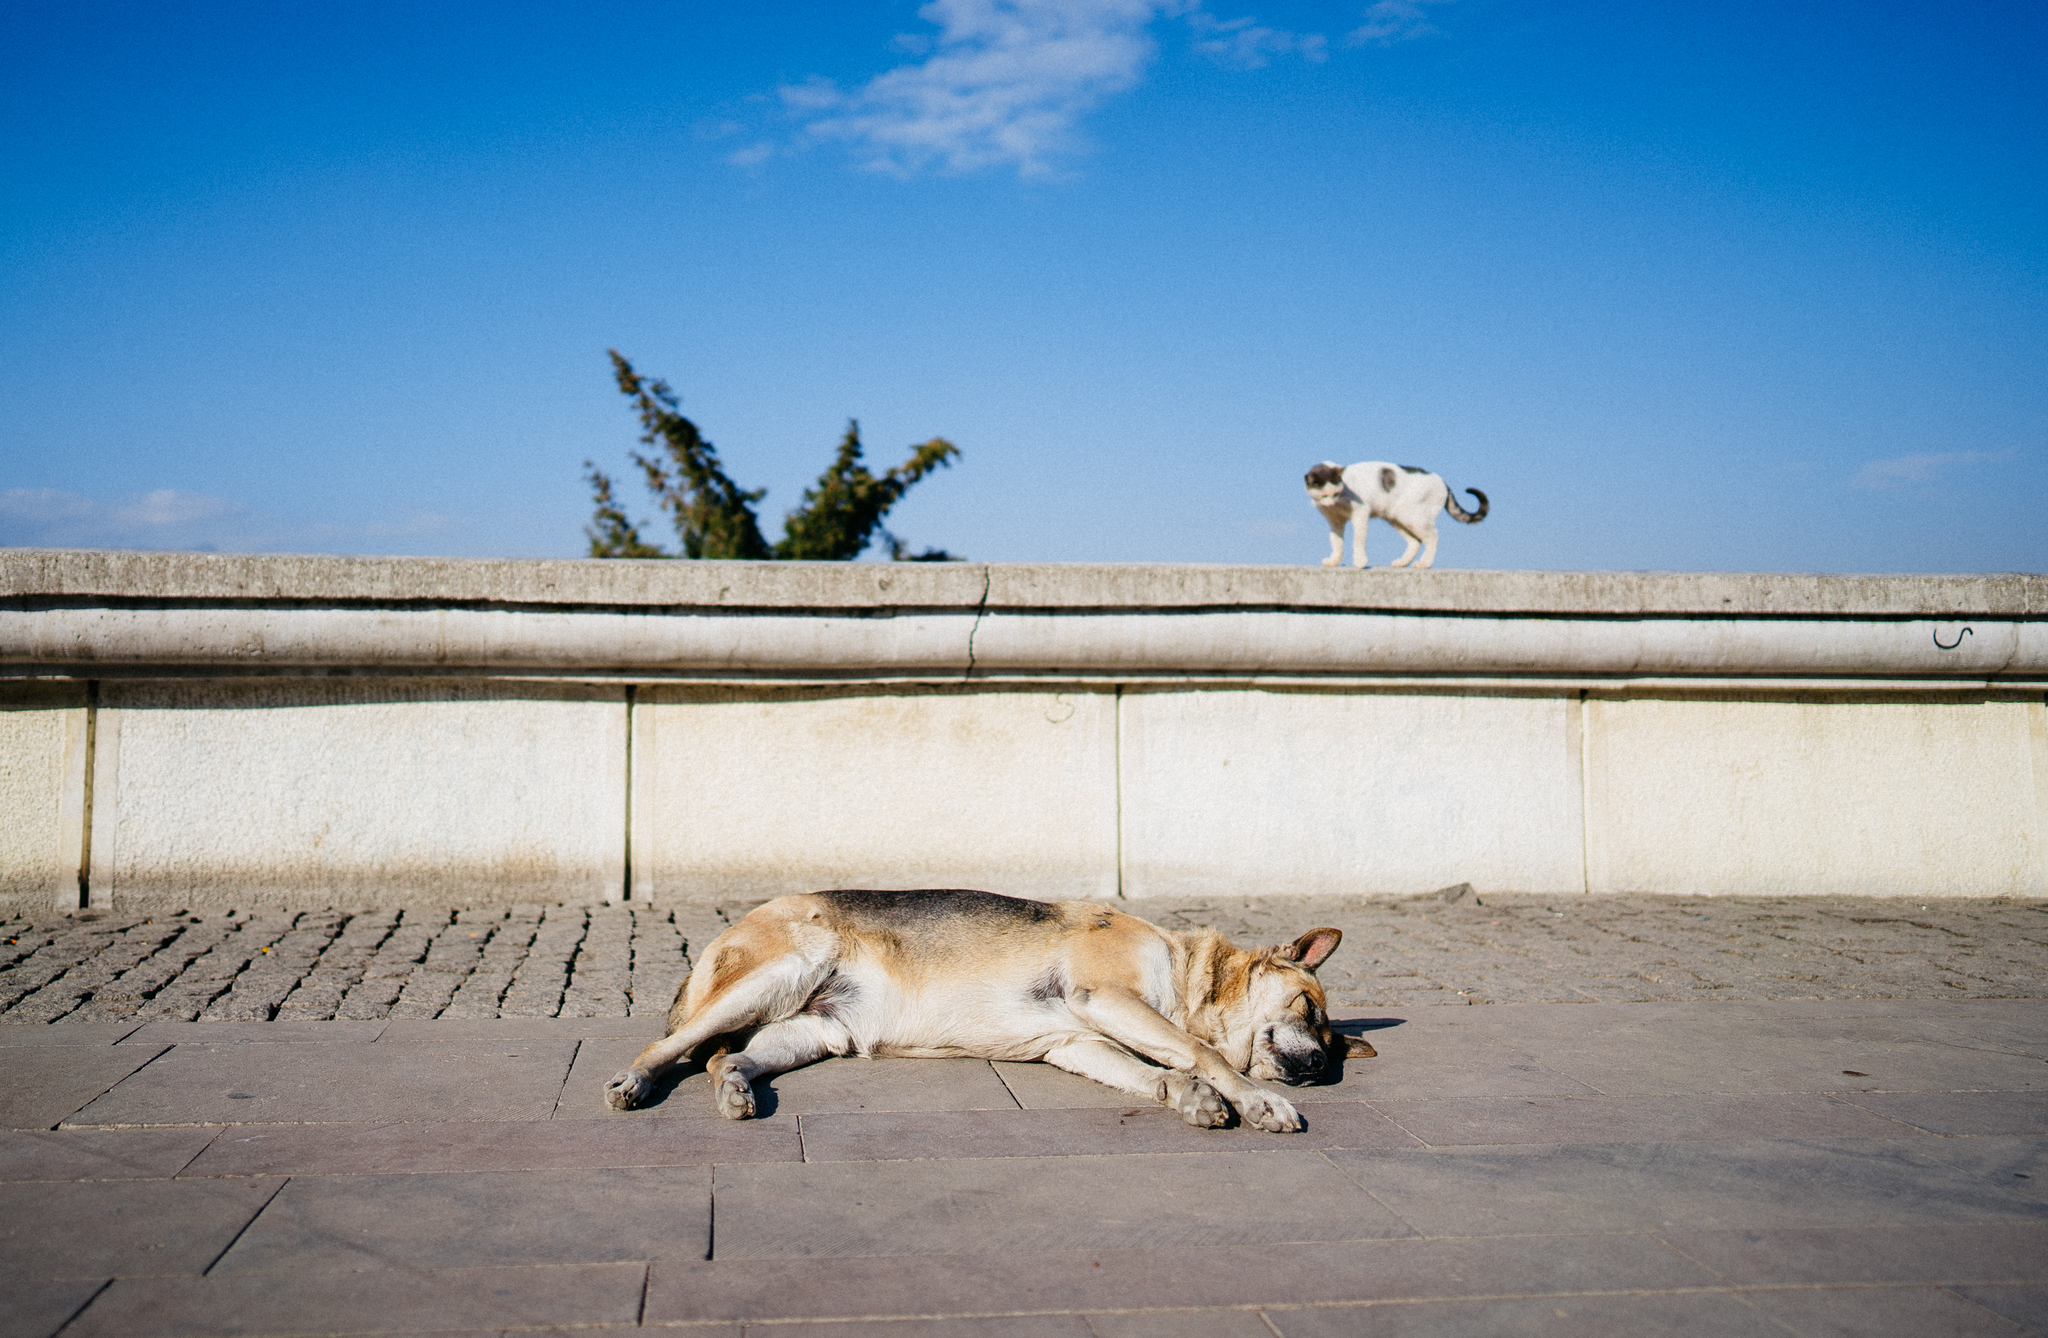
[228,730]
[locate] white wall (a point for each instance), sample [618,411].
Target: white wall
[790,790]
[386,731]
[213,791]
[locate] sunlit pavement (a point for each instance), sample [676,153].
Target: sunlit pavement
[1811,1167]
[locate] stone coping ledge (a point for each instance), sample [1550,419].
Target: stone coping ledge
[74,577]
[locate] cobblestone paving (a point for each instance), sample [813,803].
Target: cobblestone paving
[618,961]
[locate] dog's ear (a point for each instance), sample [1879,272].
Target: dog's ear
[1313,948]
[1357,1047]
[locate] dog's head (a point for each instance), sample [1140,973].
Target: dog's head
[1325,482]
[1286,1015]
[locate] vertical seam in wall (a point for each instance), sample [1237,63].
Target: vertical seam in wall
[1117,711]
[102,821]
[74,832]
[626,836]
[1585,794]
[92,720]
[2037,729]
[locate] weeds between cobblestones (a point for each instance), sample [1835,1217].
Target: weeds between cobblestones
[618,961]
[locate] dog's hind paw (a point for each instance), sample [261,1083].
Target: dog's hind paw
[735,1097]
[1196,1101]
[1274,1114]
[627,1089]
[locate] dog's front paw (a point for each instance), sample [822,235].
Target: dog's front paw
[1274,1114]
[735,1096]
[1196,1101]
[627,1089]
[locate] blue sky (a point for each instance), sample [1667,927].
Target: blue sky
[1746,286]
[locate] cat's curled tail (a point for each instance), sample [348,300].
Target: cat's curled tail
[1459,512]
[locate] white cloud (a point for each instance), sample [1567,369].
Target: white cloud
[1901,470]
[1243,44]
[1391,21]
[1004,85]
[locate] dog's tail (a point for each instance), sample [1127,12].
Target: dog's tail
[1459,512]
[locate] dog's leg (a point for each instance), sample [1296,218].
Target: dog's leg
[1113,1066]
[1120,1014]
[775,1048]
[768,993]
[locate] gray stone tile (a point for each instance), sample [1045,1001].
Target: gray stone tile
[981,1206]
[63,1033]
[1606,1119]
[643,1029]
[224,1033]
[1006,1326]
[41,1085]
[1962,1112]
[1717,1313]
[1645,1186]
[1180,1324]
[99,1154]
[1684,1055]
[2018,1164]
[1163,1278]
[1929,1253]
[1860,1312]
[478,1220]
[829,1085]
[349,1081]
[39,1309]
[419,1301]
[101,1229]
[1068,1133]
[2024,1306]
[2025,1034]
[413,1148]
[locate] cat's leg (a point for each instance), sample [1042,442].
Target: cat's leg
[1358,520]
[1414,544]
[1428,545]
[1336,544]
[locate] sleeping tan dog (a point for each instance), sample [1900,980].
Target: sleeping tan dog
[1177,1018]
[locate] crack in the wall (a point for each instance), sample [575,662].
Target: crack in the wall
[980,611]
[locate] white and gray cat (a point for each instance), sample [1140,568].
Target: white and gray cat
[1402,495]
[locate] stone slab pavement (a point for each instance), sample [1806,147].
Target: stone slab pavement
[1755,1116]
[1770,1167]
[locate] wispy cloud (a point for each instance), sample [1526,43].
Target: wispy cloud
[1006,83]
[1391,21]
[1905,470]
[1246,44]
[174,520]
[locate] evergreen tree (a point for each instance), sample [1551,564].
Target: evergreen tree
[714,517]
